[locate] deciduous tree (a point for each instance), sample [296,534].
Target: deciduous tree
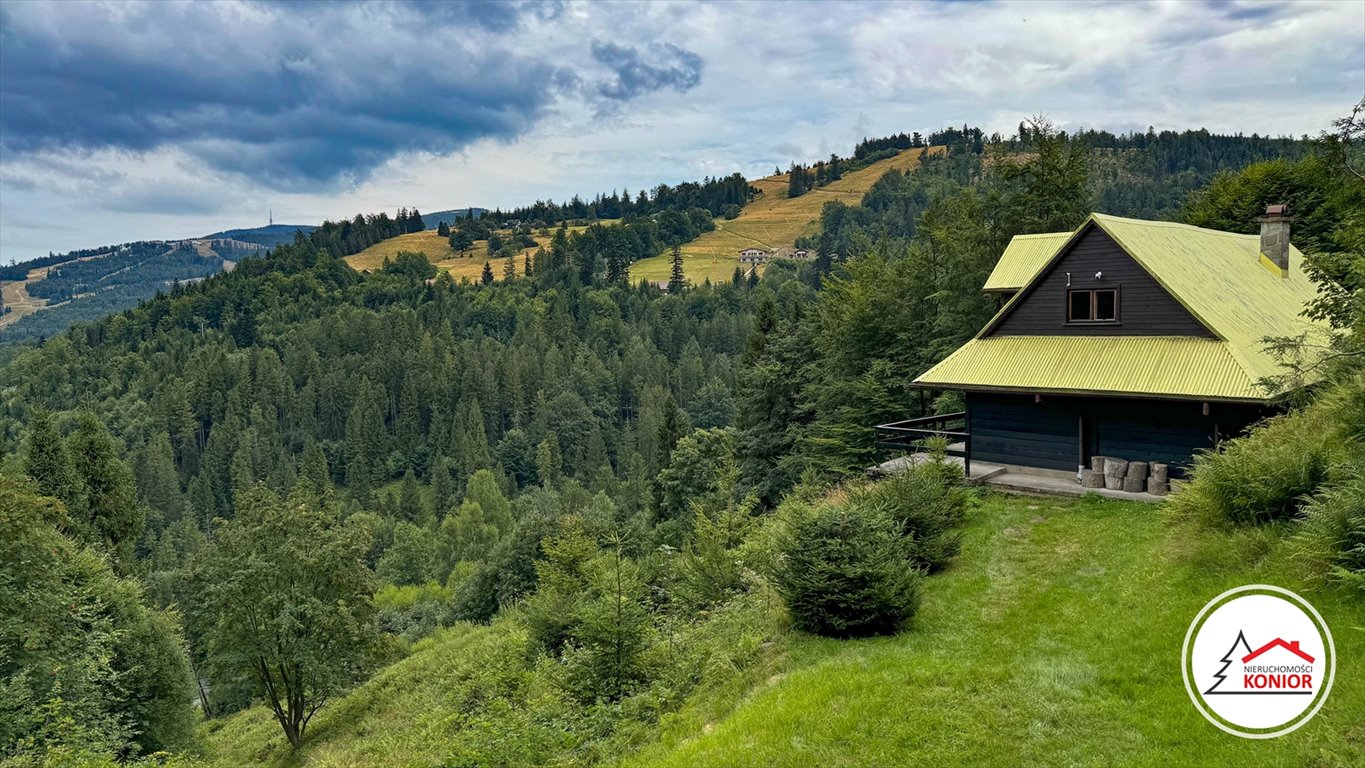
[288,586]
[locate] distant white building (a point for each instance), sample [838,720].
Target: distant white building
[753,256]
[800,254]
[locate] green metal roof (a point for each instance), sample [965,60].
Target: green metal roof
[1168,366]
[1219,277]
[1023,258]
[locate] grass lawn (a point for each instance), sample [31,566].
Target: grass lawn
[1055,639]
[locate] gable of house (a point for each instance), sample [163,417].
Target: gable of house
[1094,261]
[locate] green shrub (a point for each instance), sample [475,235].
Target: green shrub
[710,570]
[1332,538]
[509,571]
[928,503]
[605,658]
[562,586]
[1266,475]
[845,571]
[412,612]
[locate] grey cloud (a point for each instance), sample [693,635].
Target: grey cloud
[668,67]
[295,96]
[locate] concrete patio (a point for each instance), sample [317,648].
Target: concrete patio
[1011,478]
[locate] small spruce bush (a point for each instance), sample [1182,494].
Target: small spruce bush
[928,502]
[845,571]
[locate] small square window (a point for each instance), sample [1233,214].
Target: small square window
[1106,306]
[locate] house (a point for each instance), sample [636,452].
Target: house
[1139,340]
[753,256]
[799,254]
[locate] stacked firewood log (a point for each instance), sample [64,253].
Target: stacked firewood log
[1131,476]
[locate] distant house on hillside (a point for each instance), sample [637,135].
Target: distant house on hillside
[753,256]
[1138,340]
[799,254]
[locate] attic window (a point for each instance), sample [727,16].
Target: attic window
[1100,305]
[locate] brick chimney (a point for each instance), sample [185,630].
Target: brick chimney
[1275,236]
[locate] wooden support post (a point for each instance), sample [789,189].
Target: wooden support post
[1080,441]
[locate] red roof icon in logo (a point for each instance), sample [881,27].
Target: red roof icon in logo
[1278,643]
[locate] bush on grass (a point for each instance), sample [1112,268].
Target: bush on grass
[1264,476]
[928,502]
[412,612]
[845,571]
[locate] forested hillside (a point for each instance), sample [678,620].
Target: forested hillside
[321,479]
[269,236]
[55,292]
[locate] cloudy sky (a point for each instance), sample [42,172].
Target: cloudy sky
[124,121]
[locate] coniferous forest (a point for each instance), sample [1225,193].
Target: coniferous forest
[238,502]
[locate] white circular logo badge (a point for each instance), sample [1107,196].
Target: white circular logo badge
[1258,661]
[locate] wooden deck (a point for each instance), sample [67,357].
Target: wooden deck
[1011,478]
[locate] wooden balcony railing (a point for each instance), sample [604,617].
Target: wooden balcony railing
[909,436]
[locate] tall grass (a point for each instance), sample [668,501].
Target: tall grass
[1304,471]
[1265,476]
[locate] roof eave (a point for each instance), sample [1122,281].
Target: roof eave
[1184,397]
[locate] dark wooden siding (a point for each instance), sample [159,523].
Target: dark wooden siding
[1013,429]
[1145,308]
[1170,433]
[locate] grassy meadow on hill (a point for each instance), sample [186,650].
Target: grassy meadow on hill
[437,250]
[771,220]
[1054,639]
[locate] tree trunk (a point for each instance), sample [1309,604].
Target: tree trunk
[291,732]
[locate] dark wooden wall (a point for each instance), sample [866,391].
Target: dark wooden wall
[1013,429]
[1145,308]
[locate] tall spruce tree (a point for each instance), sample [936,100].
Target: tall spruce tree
[158,485]
[676,281]
[47,462]
[365,439]
[111,515]
[469,439]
